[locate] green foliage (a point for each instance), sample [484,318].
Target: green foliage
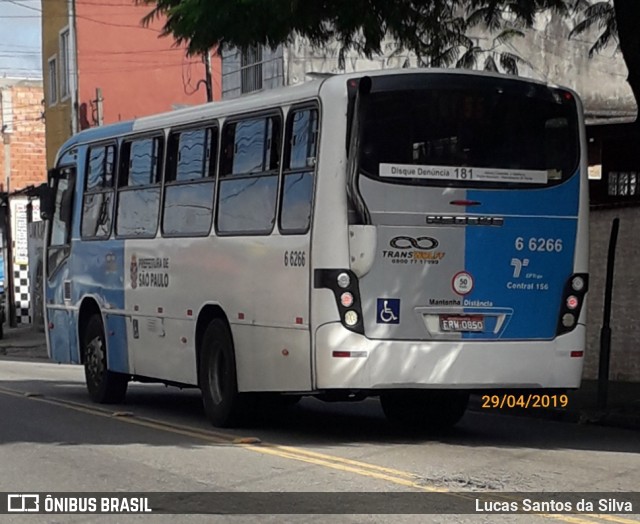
[435,30]
[600,15]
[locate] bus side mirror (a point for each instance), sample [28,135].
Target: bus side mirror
[47,201]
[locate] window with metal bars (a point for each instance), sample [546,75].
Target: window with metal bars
[251,70]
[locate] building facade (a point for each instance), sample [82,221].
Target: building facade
[22,154]
[23,161]
[101,65]
[547,52]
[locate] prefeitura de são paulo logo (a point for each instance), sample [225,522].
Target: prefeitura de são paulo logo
[133,271]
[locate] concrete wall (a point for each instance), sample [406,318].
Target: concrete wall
[600,81]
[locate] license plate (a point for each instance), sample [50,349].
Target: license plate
[462,323]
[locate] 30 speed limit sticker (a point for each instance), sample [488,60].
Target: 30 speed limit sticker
[462,283]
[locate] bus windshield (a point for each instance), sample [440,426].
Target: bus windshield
[492,136]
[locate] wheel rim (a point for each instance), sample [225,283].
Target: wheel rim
[217,378]
[94,359]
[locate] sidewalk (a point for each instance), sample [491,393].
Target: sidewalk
[623,403]
[23,342]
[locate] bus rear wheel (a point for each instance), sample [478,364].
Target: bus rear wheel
[104,386]
[425,409]
[223,404]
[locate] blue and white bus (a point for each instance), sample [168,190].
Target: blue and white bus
[415,235]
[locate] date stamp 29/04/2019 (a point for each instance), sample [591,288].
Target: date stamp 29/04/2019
[524,401]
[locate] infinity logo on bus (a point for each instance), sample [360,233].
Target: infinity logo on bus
[424,243]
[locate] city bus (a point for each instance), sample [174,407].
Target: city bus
[413,235]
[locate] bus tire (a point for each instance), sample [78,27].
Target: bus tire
[425,409]
[223,405]
[104,386]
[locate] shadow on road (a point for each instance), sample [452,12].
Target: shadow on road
[47,411]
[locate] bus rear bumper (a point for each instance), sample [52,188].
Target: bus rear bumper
[347,360]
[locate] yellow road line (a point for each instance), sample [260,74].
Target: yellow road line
[616,518]
[395,476]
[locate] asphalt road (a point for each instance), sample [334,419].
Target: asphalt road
[53,439]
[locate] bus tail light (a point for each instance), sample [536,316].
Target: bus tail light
[577,283]
[575,290]
[343,280]
[572,302]
[351,318]
[344,284]
[346,299]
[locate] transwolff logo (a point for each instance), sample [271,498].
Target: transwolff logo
[414,250]
[424,243]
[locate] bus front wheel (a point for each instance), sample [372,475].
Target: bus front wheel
[105,387]
[425,409]
[223,404]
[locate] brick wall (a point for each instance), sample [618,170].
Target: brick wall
[27,140]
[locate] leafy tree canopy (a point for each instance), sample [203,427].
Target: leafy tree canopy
[435,30]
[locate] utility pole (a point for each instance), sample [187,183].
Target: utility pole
[208,81]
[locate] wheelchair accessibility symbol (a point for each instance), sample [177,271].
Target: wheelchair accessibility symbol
[388,311]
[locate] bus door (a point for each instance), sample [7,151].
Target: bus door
[473,185]
[58,313]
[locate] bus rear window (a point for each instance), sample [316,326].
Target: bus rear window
[468,137]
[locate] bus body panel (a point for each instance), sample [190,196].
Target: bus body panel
[517,269]
[398,364]
[265,303]
[62,337]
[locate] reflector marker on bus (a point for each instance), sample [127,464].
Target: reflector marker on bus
[160,310]
[299,320]
[136,308]
[349,354]
[240,316]
[577,354]
[464,203]
[189,312]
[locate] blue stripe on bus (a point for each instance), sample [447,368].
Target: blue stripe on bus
[531,259]
[101,263]
[116,333]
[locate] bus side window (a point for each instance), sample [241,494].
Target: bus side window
[139,187]
[299,169]
[249,176]
[190,182]
[97,207]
